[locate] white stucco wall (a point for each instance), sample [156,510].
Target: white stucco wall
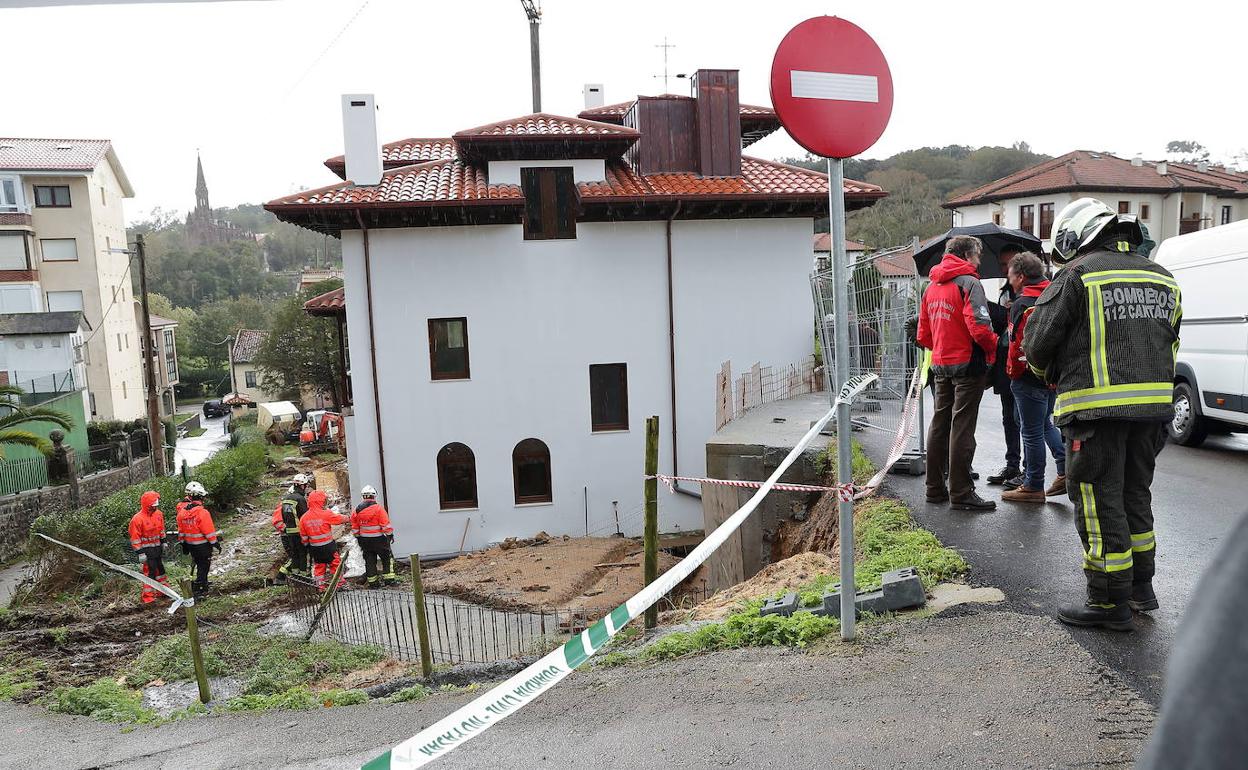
[539,313]
[583,169]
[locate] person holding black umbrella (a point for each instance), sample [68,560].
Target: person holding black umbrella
[955,325]
[1011,474]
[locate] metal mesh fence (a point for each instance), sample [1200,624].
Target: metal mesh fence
[22,475]
[879,318]
[459,631]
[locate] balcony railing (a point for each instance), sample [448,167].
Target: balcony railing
[16,219]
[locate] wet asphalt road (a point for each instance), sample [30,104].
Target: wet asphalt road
[1032,552]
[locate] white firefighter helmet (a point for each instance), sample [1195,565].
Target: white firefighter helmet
[368,491]
[1078,225]
[195,489]
[301,480]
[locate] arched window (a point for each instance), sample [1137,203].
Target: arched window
[457,477]
[530,466]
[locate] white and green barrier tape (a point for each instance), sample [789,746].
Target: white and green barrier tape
[471,720]
[178,599]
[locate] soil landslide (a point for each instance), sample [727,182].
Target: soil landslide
[790,574]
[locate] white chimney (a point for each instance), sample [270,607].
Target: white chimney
[594,97]
[359,134]
[1161,168]
[1137,161]
[1202,166]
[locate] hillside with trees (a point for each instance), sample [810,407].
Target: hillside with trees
[216,289]
[918,181]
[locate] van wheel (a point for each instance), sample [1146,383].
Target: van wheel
[1187,427]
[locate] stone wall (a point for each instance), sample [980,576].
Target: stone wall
[18,512]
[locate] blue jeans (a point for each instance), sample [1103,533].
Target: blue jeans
[1035,417]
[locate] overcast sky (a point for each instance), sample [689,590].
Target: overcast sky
[255,85]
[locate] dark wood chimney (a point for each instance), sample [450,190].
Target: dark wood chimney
[718,122]
[668,126]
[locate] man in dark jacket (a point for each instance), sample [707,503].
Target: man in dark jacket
[955,325]
[1105,333]
[999,311]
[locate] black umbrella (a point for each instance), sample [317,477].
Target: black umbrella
[995,238]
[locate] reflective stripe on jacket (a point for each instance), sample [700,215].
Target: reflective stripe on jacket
[195,525]
[1106,332]
[316,526]
[288,512]
[147,527]
[370,520]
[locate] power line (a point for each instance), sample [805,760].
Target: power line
[332,43]
[108,309]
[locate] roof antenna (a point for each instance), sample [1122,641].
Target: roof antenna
[533,10]
[665,46]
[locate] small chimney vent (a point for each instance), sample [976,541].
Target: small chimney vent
[594,96]
[1162,169]
[359,133]
[1202,166]
[1137,161]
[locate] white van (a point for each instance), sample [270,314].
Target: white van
[1211,373]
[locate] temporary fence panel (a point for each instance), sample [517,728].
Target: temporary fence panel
[880,317]
[761,385]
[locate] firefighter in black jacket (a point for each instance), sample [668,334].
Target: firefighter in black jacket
[290,510]
[1106,332]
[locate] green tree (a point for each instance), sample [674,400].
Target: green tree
[302,350]
[1187,151]
[912,208]
[14,415]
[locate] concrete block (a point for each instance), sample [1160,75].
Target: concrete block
[785,605]
[899,589]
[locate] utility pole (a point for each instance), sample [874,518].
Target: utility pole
[533,10]
[650,561]
[156,437]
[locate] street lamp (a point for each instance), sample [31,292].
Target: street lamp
[155,433]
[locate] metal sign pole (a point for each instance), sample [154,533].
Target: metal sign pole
[844,450]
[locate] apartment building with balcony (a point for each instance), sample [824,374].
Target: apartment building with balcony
[61,221]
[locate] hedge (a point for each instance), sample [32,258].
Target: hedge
[229,476]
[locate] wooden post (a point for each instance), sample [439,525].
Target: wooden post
[652,514]
[197,655]
[326,599]
[422,623]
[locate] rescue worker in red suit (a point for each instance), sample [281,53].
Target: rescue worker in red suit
[147,535]
[198,535]
[370,523]
[316,531]
[286,517]
[954,323]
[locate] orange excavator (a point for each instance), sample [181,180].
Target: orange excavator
[322,431]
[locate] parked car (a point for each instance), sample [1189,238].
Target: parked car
[1211,370]
[215,408]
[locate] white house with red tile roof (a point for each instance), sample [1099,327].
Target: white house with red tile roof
[517,306]
[1170,198]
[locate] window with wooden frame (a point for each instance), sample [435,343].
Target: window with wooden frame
[448,348]
[1124,207]
[249,378]
[52,196]
[551,203]
[1046,220]
[1027,218]
[530,468]
[608,396]
[457,477]
[996,217]
[1144,211]
[1226,215]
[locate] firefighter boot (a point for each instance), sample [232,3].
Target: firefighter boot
[1142,597]
[1116,617]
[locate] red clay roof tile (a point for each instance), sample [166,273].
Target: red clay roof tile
[546,125]
[330,303]
[52,154]
[406,152]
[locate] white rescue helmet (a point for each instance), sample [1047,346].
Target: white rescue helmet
[368,492]
[195,489]
[1083,222]
[301,480]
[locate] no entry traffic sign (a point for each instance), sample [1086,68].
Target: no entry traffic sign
[831,87]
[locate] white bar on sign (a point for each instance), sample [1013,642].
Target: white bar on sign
[835,86]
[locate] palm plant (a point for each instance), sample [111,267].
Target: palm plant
[13,415]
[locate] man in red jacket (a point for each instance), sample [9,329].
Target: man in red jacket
[316,531]
[955,325]
[147,536]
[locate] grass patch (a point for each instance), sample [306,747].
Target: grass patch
[862,467]
[886,538]
[196,433]
[182,417]
[14,684]
[277,671]
[742,629]
[105,700]
[409,694]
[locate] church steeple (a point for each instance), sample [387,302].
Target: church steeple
[201,186]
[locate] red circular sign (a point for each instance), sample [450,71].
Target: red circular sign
[831,87]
